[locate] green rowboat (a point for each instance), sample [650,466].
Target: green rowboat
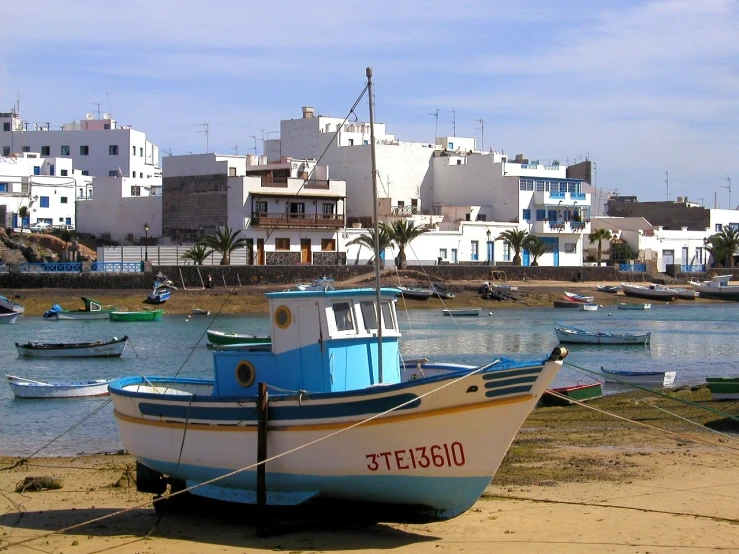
[226,338]
[149,315]
[723,388]
[576,392]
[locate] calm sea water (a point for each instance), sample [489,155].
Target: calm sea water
[696,340]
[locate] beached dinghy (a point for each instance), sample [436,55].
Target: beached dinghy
[650,379]
[723,388]
[95,349]
[10,317]
[8,306]
[220,338]
[143,315]
[580,393]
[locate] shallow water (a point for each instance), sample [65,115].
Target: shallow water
[695,340]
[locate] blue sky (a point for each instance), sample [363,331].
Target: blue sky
[639,87]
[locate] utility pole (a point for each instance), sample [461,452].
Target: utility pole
[728,180]
[667,183]
[205,130]
[482,133]
[436,128]
[454,123]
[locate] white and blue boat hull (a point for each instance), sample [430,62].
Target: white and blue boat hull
[435,455]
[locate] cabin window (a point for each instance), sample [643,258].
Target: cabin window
[387,316]
[369,315]
[343,316]
[245,374]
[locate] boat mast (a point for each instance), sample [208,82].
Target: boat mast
[378,295]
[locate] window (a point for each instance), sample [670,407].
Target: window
[369,314]
[387,316]
[85,172]
[106,126]
[699,254]
[6,150]
[113,149]
[63,172]
[442,253]
[51,169]
[482,217]
[6,125]
[26,149]
[232,172]
[527,214]
[134,150]
[141,152]
[327,209]
[351,142]
[474,249]
[113,173]
[552,215]
[44,201]
[570,247]
[719,227]
[37,170]
[734,226]
[45,150]
[506,252]
[526,184]
[282,244]
[68,221]
[541,215]
[84,150]
[63,199]
[459,162]
[3,187]
[328,245]
[133,175]
[450,145]
[343,316]
[262,207]
[135,190]
[64,150]
[297,210]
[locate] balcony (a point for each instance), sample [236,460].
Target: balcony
[289,220]
[403,210]
[542,198]
[548,227]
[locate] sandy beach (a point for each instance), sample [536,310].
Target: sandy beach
[574,481]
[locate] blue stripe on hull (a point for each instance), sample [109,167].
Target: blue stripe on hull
[435,498]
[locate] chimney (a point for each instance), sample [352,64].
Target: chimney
[307,112]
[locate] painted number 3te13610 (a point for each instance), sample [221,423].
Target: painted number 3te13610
[437,455]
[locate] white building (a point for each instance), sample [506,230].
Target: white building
[289,211]
[50,188]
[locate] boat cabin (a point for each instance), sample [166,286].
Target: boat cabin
[322,341]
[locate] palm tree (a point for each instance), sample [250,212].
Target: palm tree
[517,240]
[197,254]
[23,214]
[402,232]
[723,245]
[368,240]
[536,248]
[600,235]
[224,242]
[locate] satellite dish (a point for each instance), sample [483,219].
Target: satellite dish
[106,116]
[88,116]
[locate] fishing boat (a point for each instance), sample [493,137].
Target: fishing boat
[10,317]
[226,337]
[198,311]
[717,288]
[723,388]
[637,306]
[579,392]
[27,388]
[652,292]
[588,307]
[572,335]
[415,293]
[686,294]
[611,289]
[649,379]
[91,310]
[578,297]
[439,291]
[324,283]
[462,312]
[567,304]
[343,426]
[8,306]
[159,295]
[143,315]
[112,348]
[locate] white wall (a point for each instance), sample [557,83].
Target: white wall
[108,212]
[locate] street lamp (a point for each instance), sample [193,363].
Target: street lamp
[146,243]
[488,234]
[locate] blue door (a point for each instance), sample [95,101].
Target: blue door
[491,257]
[526,257]
[553,247]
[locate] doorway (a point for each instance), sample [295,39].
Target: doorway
[260,251]
[305,251]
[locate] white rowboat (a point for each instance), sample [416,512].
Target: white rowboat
[27,388]
[96,349]
[9,318]
[650,379]
[573,335]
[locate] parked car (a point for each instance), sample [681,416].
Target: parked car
[62,227]
[39,227]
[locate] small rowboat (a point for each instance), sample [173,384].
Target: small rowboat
[92,310]
[159,296]
[578,297]
[572,335]
[577,392]
[587,307]
[147,315]
[97,349]
[8,306]
[415,293]
[462,312]
[224,337]
[650,379]
[27,388]
[612,289]
[567,304]
[723,388]
[9,317]
[625,306]
[198,311]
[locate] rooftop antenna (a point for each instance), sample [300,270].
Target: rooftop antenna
[728,180]
[235,149]
[667,184]
[205,130]
[255,143]
[98,105]
[169,152]
[482,133]
[110,108]
[436,129]
[454,123]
